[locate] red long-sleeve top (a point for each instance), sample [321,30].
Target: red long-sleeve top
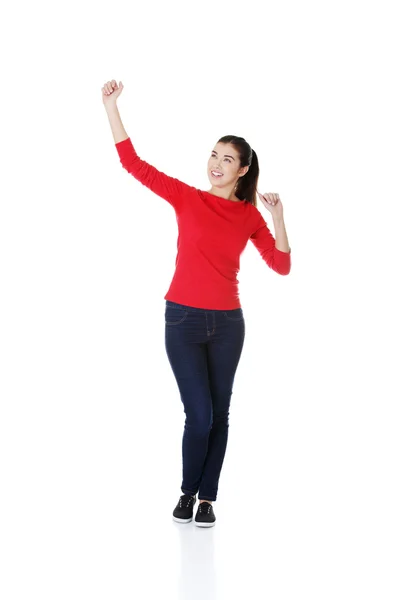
[212,234]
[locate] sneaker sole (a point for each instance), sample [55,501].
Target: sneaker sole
[182,520]
[204,524]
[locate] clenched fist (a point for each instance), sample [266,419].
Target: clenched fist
[273,203]
[111,92]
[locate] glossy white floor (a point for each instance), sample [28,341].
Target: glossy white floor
[87,513]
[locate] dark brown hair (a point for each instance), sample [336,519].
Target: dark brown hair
[247,184]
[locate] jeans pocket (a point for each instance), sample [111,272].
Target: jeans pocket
[174,315]
[236,314]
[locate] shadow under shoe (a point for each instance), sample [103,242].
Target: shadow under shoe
[183,511]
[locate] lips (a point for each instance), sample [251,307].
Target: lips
[216,173]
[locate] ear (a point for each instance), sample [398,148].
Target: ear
[243,171]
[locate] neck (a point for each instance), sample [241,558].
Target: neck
[228,193]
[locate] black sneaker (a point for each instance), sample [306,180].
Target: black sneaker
[183,511]
[205,515]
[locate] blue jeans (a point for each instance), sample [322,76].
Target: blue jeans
[204,348]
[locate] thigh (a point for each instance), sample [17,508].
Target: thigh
[187,355]
[223,355]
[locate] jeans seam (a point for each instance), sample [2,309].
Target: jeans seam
[233,319]
[177,322]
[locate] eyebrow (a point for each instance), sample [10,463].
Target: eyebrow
[224,154]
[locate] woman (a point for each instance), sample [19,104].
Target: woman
[204,323]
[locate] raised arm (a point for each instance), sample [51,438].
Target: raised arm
[117,128]
[170,188]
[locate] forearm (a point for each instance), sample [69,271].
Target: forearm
[117,127]
[281,239]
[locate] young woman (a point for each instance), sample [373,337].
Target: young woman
[204,322]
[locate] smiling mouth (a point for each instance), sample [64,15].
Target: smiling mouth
[216,174]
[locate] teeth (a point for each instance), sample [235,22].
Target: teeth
[216,174]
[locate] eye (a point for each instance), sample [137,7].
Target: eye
[214,155]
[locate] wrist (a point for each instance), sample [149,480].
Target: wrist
[111,107]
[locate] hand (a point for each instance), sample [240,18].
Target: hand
[111,92]
[272,203]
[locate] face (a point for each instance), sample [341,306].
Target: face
[224,159]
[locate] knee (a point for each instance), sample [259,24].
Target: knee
[199,426]
[221,418]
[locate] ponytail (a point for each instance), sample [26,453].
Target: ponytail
[246,188]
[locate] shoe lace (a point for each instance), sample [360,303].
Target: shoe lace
[187,499]
[205,507]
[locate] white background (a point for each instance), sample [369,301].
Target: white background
[91,420]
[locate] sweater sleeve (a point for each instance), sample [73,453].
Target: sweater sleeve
[263,240]
[171,189]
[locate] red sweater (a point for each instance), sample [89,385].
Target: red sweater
[212,234]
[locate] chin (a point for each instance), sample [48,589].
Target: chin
[213,182]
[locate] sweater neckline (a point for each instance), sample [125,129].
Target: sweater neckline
[224,199]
